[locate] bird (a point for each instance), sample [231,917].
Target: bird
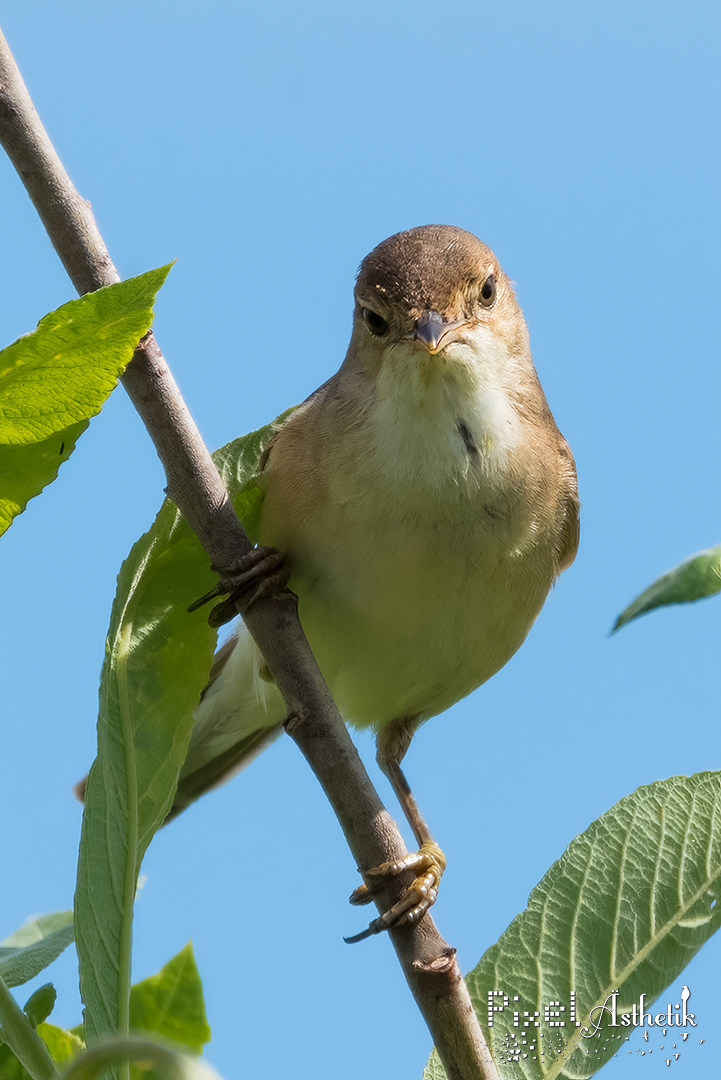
[420,504]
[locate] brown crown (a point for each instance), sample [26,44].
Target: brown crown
[429,268]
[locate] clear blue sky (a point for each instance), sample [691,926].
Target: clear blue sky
[268,148]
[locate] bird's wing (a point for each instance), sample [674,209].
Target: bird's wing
[571,528]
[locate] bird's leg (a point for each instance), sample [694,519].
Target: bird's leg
[428,862]
[262,572]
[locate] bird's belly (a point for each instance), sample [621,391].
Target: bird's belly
[409,621]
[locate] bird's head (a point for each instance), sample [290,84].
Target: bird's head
[435,291]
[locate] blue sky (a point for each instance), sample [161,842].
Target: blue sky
[268,149]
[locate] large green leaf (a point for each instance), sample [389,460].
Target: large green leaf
[63,1045]
[171,1003]
[157,661]
[694,578]
[53,380]
[624,909]
[25,953]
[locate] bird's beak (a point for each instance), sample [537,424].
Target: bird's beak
[434,332]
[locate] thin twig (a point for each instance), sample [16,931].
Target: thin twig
[194,484]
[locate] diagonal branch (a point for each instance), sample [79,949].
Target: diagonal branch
[315,724]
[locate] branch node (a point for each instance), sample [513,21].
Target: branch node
[294,721]
[443,965]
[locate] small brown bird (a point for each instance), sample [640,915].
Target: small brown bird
[425,501]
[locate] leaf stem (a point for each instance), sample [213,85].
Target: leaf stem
[131,852]
[23,1039]
[94,1063]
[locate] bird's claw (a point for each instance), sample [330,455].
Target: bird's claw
[429,863]
[262,572]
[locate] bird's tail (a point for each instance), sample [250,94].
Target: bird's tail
[239,715]
[221,768]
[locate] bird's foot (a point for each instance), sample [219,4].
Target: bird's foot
[429,863]
[262,572]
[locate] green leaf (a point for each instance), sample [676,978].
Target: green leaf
[694,578]
[40,1004]
[157,661]
[25,953]
[434,1070]
[10,1067]
[18,1032]
[26,470]
[171,1003]
[63,1045]
[53,380]
[625,908]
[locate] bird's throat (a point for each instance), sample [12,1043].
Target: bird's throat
[444,420]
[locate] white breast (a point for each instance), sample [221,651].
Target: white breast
[403,579]
[421,405]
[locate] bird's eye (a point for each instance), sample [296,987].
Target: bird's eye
[488,291]
[375,322]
